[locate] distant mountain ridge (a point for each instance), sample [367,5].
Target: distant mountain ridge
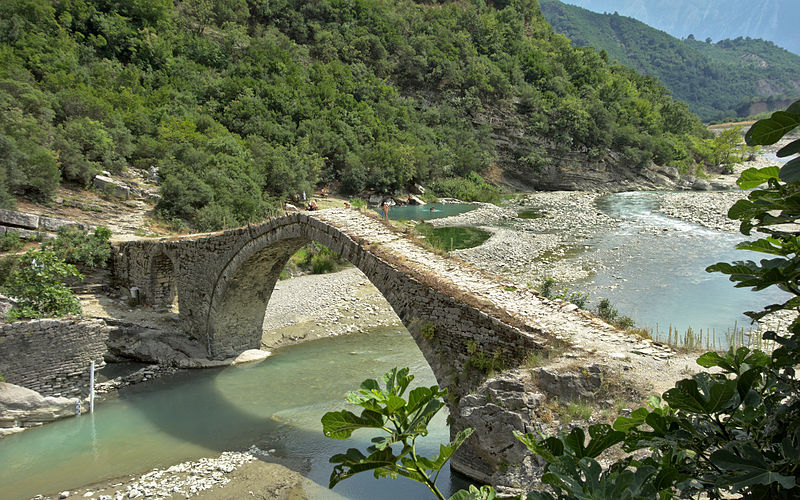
[726,79]
[772,20]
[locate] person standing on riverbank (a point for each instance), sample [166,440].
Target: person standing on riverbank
[385,209]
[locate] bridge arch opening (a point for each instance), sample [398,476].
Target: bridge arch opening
[241,298]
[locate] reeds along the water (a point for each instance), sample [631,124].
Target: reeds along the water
[692,340]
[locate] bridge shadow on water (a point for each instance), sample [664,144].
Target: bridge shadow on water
[277,405]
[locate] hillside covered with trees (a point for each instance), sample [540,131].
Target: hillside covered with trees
[718,80]
[242,104]
[771,20]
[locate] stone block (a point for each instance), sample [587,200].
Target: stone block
[19,219]
[53,224]
[112,187]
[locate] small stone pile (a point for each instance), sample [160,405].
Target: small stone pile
[182,480]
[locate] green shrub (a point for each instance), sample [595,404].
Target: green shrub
[470,188]
[323,262]
[81,248]
[358,203]
[314,258]
[548,288]
[10,241]
[733,431]
[37,286]
[7,266]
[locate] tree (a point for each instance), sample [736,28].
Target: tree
[736,430]
[37,285]
[733,431]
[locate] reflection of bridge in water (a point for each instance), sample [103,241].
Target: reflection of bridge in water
[456,314]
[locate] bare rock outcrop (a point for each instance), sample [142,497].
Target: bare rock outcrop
[21,408]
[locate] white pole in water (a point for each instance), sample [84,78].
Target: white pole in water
[91,387]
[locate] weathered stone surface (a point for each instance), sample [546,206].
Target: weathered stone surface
[21,407]
[700,185]
[54,224]
[571,385]
[19,219]
[250,356]
[500,406]
[223,283]
[52,356]
[6,303]
[414,200]
[112,187]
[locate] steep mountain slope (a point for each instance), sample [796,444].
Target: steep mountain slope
[772,20]
[242,104]
[718,80]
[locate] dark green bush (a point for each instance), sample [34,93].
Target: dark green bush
[10,241]
[471,188]
[36,283]
[81,248]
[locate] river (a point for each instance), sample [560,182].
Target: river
[276,404]
[651,268]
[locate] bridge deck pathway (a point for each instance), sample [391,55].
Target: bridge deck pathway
[591,339]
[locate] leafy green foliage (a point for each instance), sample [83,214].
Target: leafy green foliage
[471,188]
[401,421]
[10,241]
[733,431]
[81,248]
[314,258]
[37,286]
[242,104]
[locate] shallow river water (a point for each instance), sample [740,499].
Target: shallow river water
[652,268]
[276,404]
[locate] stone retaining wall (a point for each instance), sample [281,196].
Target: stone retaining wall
[51,356]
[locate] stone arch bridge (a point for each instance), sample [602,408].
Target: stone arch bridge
[462,319]
[223,281]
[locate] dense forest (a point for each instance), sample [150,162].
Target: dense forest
[717,80]
[242,104]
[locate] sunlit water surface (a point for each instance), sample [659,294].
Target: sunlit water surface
[653,270]
[275,404]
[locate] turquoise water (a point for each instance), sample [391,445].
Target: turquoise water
[275,404]
[423,212]
[653,270]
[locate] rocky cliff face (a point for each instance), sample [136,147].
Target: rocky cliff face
[574,170]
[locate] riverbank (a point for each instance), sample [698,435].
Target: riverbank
[329,305]
[245,474]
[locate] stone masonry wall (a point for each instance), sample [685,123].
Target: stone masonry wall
[224,282]
[51,356]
